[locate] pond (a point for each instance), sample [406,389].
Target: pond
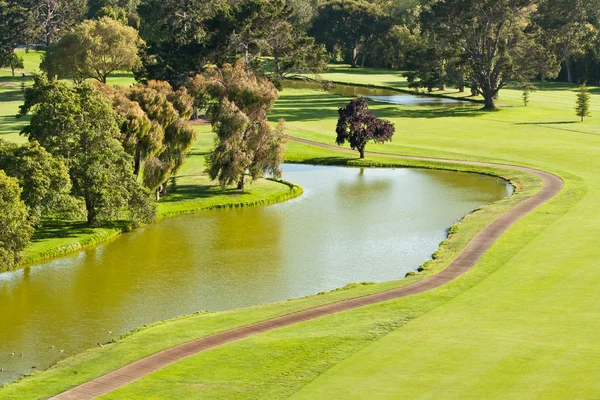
[351,225]
[380,95]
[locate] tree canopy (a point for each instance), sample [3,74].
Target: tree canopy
[94,49]
[358,126]
[237,102]
[78,124]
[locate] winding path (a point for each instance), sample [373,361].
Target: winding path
[461,264]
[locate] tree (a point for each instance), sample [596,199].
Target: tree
[16,27]
[54,17]
[493,38]
[170,110]
[570,28]
[43,178]
[527,88]
[583,102]
[237,102]
[350,24]
[16,62]
[94,49]
[78,124]
[15,227]
[358,126]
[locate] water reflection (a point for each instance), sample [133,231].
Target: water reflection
[377,94]
[351,225]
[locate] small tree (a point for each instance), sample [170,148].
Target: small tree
[583,102]
[358,126]
[15,227]
[237,103]
[16,62]
[94,49]
[527,88]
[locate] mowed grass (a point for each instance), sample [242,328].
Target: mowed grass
[522,324]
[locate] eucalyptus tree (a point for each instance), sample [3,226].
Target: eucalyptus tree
[78,124]
[237,102]
[494,38]
[54,18]
[358,126]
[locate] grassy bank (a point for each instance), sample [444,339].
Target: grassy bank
[166,334]
[521,324]
[194,192]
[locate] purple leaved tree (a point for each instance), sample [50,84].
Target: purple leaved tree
[358,126]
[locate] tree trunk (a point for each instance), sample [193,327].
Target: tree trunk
[442,86]
[195,114]
[242,182]
[461,88]
[362,152]
[13,72]
[568,64]
[91,212]
[354,57]
[137,160]
[489,101]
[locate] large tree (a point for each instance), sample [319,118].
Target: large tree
[170,110]
[359,126]
[185,36]
[494,38]
[16,27]
[237,102]
[94,49]
[53,18]
[570,27]
[15,226]
[351,25]
[78,124]
[43,178]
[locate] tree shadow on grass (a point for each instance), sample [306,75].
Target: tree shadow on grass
[191,192]
[57,229]
[339,161]
[548,123]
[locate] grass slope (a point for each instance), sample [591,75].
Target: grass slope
[521,324]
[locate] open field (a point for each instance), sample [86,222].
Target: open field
[521,324]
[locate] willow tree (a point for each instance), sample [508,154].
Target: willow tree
[237,103]
[170,110]
[358,126]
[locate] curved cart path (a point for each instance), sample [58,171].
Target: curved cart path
[461,264]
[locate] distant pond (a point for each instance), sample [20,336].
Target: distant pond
[351,225]
[380,95]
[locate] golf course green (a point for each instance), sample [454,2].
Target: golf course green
[521,324]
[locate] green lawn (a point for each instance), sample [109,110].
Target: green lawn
[522,324]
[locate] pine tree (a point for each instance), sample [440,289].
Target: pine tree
[583,102]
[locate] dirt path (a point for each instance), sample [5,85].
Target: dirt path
[461,264]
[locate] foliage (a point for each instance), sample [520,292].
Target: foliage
[350,25]
[493,40]
[582,107]
[43,178]
[237,103]
[94,49]
[53,18]
[527,88]
[570,28]
[15,226]
[15,23]
[182,39]
[78,124]
[169,111]
[358,126]
[16,62]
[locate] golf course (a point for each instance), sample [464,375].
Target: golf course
[521,322]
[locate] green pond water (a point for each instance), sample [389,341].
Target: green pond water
[351,225]
[378,94]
